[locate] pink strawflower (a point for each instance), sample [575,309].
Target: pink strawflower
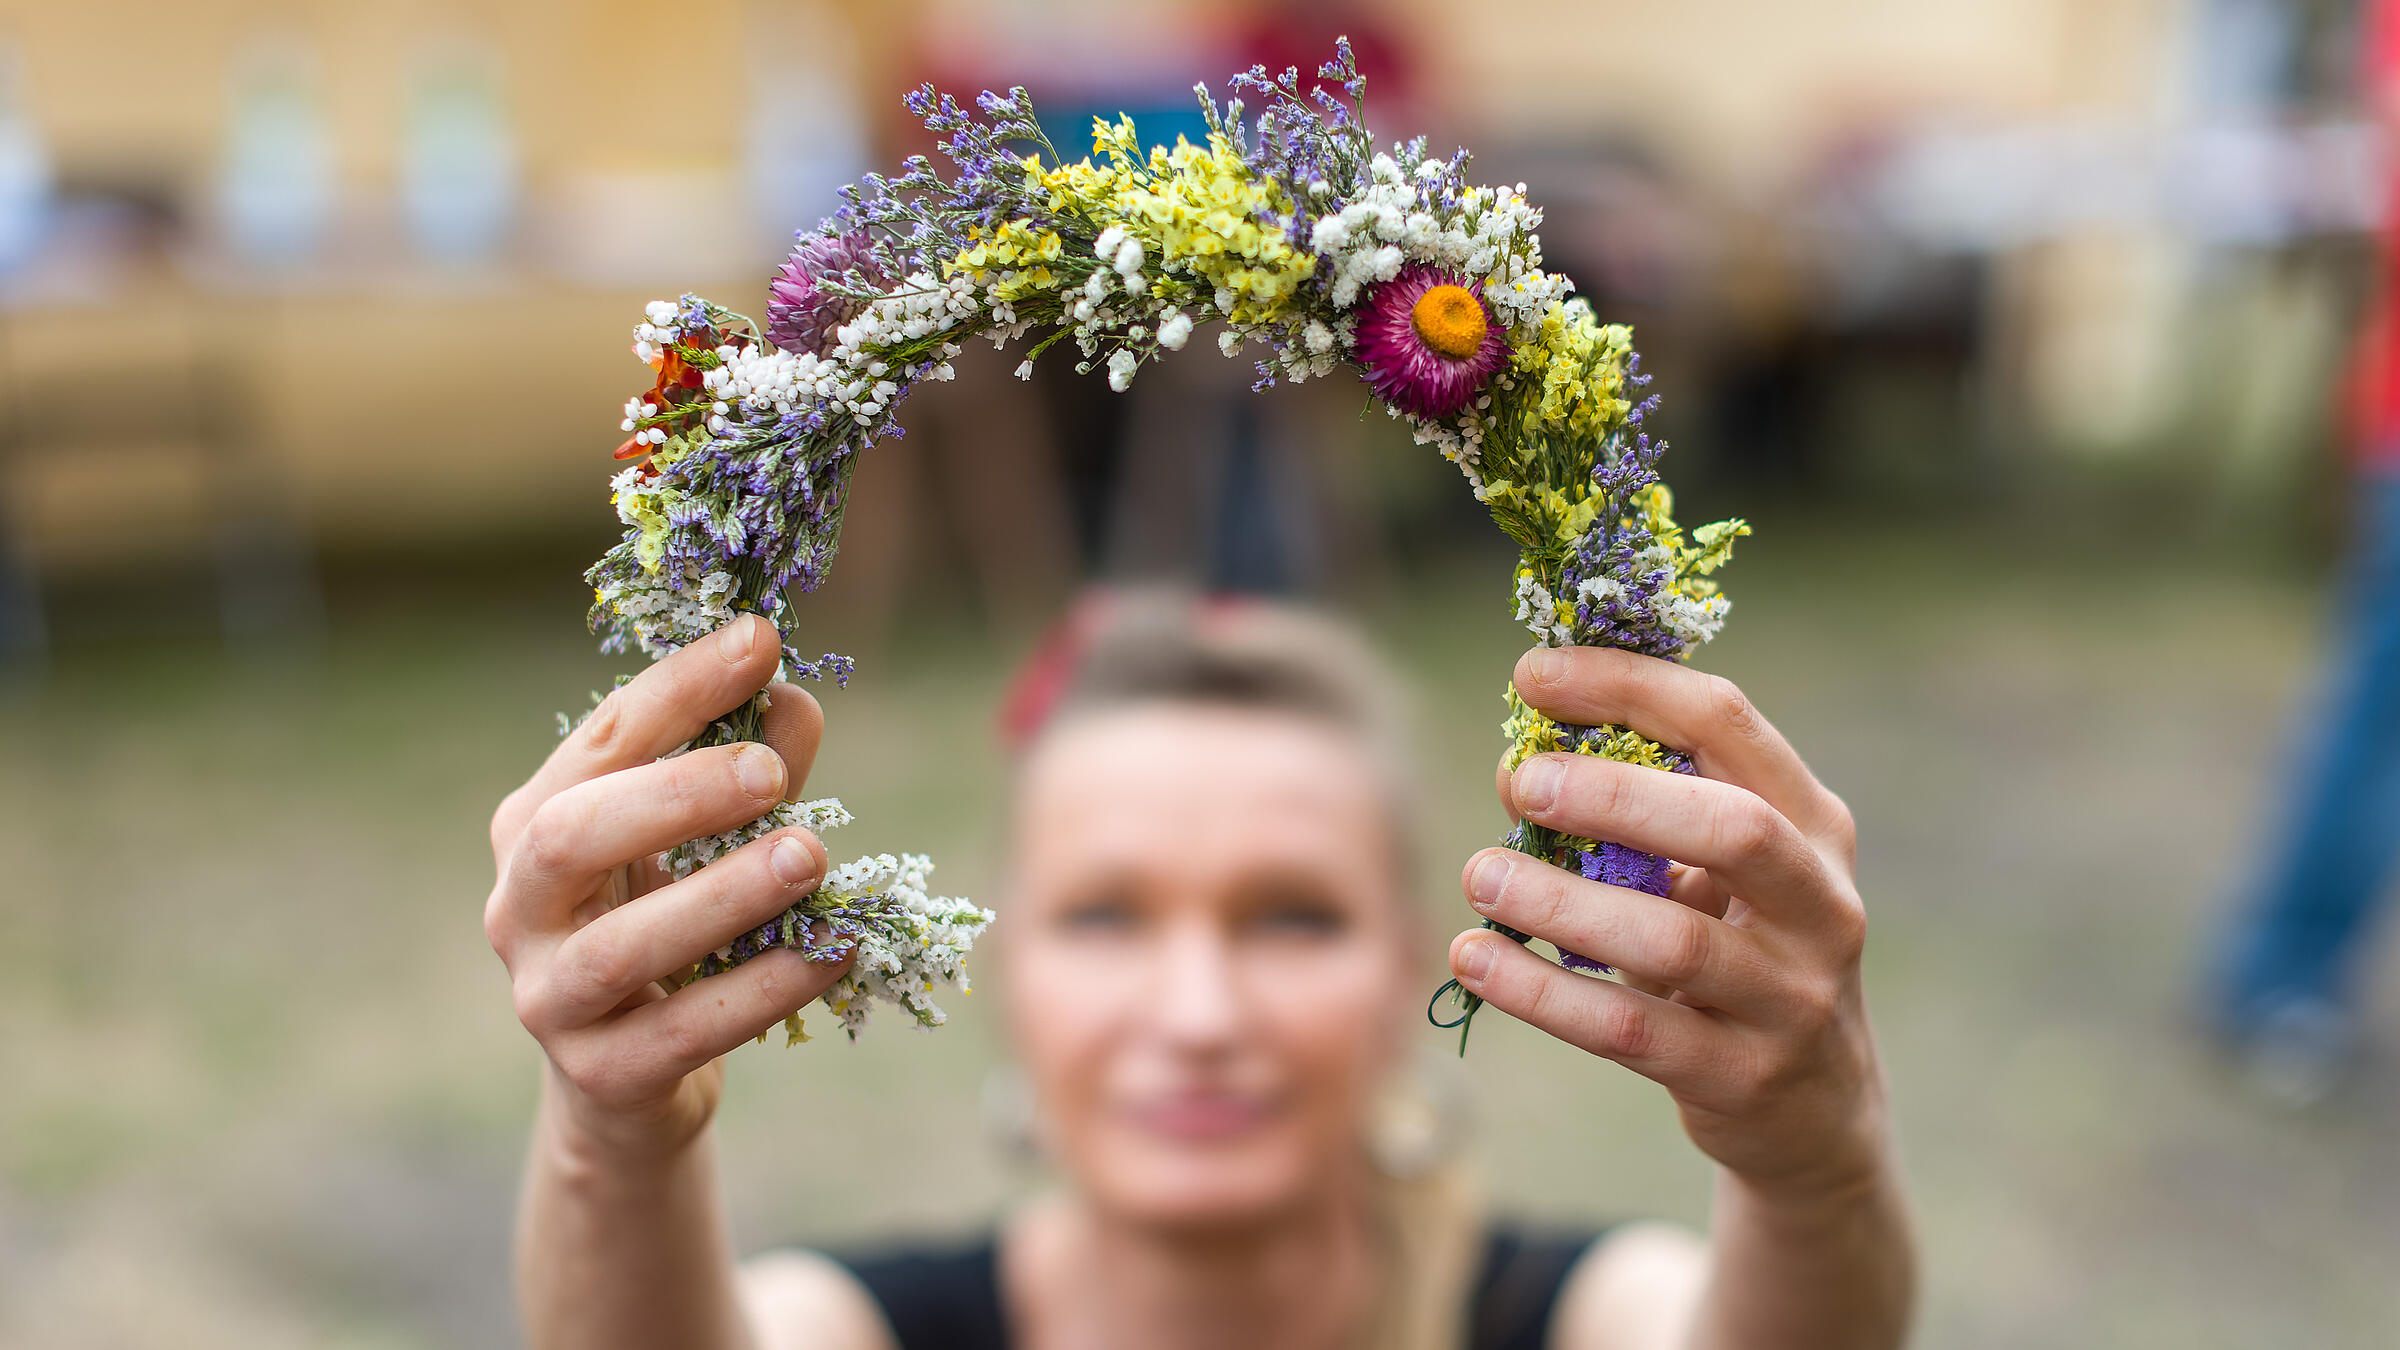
[1428,342]
[801,312]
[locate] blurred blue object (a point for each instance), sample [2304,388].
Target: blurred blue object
[2288,961]
[804,138]
[24,171]
[458,171]
[276,184]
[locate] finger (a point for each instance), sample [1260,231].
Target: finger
[1692,888]
[659,710]
[794,727]
[648,873]
[1706,716]
[604,961]
[1500,783]
[662,1041]
[580,834]
[1744,843]
[1665,1042]
[1650,939]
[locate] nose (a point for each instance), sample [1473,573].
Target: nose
[1197,1003]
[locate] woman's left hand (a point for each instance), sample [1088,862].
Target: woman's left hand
[1741,992]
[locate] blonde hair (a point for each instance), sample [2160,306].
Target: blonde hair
[1172,646]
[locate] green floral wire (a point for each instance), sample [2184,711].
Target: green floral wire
[1528,838]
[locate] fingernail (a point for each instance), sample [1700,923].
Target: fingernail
[1485,883]
[760,770]
[735,639]
[1536,783]
[1545,665]
[1475,961]
[791,861]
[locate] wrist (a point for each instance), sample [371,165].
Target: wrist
[585,1138]
[1829,1189]
[1826,1164]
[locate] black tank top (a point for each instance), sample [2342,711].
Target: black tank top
[948,1298]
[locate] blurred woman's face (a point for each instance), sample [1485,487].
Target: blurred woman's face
[1207,957]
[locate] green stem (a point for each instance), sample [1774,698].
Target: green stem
[1528,838]
[1538,841]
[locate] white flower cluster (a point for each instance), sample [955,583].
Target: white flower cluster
[663,618]
[905,960]
[919,307]
[1537,609]
[664,323]
[918,945]
[818,816]
[1694,621]
[762,383]
[1487,236]
[1316,350]
[1552,624]
[1461,444]
[1397,220]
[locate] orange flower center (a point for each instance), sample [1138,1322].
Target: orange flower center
[1450,320]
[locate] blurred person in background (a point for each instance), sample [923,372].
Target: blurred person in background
[1211,967]
[2283,994]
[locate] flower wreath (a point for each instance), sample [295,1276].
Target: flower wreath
[1295,233]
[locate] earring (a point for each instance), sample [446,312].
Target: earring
[1420,1118]
[1011,1117]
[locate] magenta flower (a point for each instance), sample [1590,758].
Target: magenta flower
[801,312]
[1428,342]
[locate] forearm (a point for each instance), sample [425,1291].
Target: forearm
[616,1248]
[1794,1271]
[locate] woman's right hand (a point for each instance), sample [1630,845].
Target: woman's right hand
[632,1067]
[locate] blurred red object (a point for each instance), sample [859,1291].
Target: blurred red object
[2375,362]
[1057,659]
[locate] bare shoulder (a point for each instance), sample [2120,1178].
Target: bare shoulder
[800,1300]
[1636,1289]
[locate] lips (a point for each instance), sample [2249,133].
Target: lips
[1203,1117]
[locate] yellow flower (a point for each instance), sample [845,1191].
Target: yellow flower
[645,506]
[1016,251]
[1577,365]
[1530,733]
[1200,210]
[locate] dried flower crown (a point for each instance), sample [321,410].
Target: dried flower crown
[1293,232]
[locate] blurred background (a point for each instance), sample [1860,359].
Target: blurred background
[2019,328]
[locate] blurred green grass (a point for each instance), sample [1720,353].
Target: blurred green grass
[260,1085]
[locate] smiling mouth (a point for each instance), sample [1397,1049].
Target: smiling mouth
[1203,1117]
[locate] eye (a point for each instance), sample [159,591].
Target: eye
[1100,915]
[1308,919]
[1293,910]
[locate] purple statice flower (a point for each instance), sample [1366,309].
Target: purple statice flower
[1428,342]
[1306,134]
[1617,865]
[988,183]
[1617,549]
[803,309]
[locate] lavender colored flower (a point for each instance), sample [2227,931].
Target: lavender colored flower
[1428,342]
[802,309]
[1617,865]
